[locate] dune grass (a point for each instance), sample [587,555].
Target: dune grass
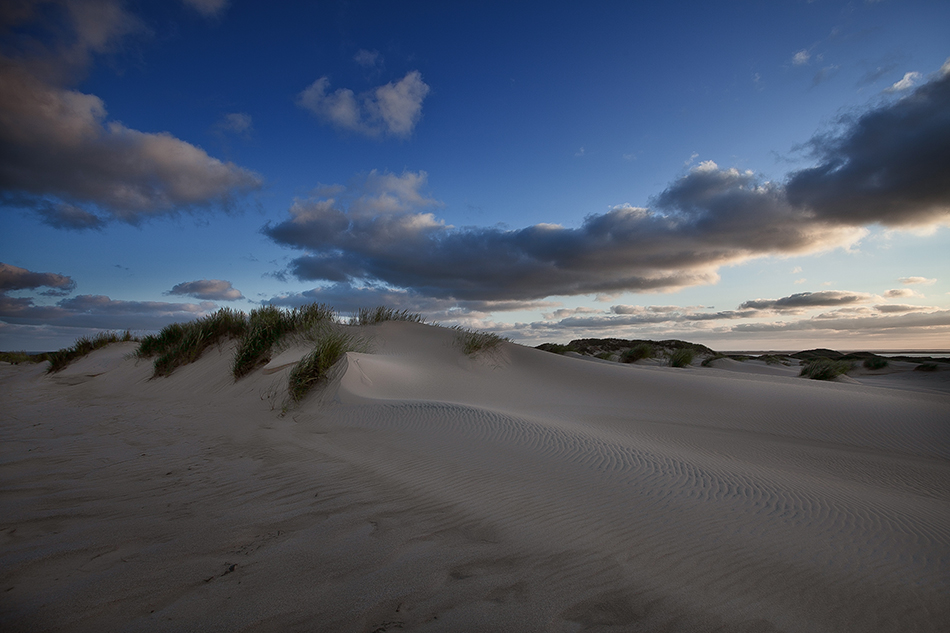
[16,358]
[682,357]
[638,352]
[183,343]
[379,314]
[826,368]
[329,346]
[267,325]
[475,341]
[84,345]
[875,362]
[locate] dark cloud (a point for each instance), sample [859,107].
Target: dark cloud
[58,151]
[378,231]
[889,165]
[16,278]
[901,307]
[210,289]
[66,216]
[804,300]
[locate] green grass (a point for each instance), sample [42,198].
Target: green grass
[372,316]
[474,341]
[682,357]
[875,362]
[926,367]
[826,368]
[84,345]
[329,346]
[638,352]
[267,325]
[183,343]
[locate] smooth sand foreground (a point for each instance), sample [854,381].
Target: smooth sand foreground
[424,490]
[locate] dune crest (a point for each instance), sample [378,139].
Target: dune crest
[514,490]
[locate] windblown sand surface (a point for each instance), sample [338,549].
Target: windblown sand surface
[424,490]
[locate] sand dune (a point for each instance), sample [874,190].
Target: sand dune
[422,489]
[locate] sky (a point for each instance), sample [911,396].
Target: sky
[746,175]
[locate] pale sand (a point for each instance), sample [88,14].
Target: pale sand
[424,490]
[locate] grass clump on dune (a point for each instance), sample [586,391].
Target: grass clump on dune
[329,346]
[59,360]
[183,343]
[875,362]
[473,341]
[84,345]
[638,352]
[682,357]
[267,325]
[826,369]
[379,314]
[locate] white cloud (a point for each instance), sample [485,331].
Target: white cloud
[393,109]
[901,292]
[801,57]
[909,81]
[910,281]
[209,289]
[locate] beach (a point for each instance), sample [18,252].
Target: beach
[420,488]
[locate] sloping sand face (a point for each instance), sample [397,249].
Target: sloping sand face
[425,490]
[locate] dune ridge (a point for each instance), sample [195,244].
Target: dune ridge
[423,489]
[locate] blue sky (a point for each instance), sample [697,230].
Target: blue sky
[748,175]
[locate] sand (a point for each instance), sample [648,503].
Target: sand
[424,490]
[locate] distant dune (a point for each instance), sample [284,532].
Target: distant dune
[419,488]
